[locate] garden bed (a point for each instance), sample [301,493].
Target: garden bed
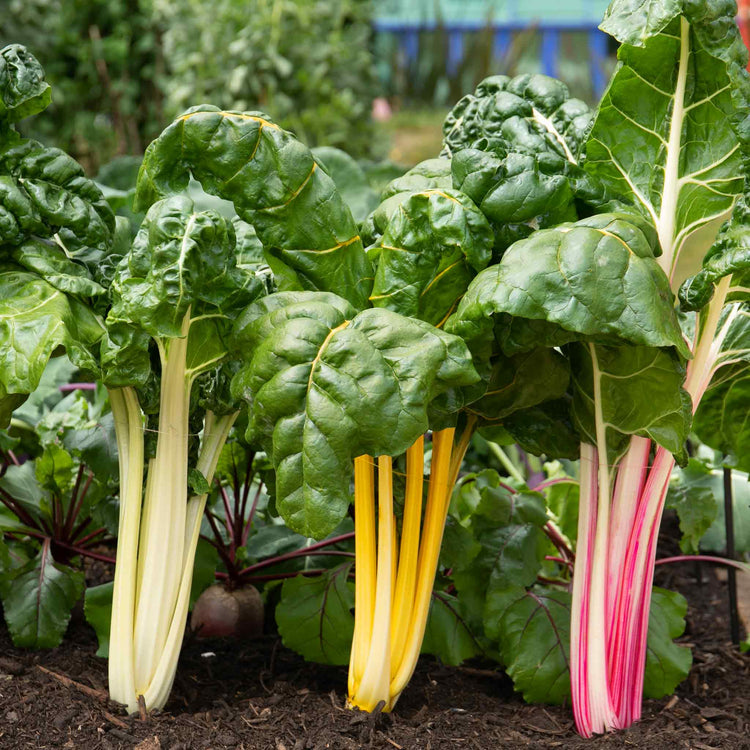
[260,695]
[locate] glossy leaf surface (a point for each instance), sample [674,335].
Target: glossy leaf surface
[435,243]
[593,279]
[307,231]
[665,137]
[326,384]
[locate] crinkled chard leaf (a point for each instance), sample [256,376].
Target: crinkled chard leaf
[23,90]
[275,184]
[49,261]
[315,618]
[431,174]
[531,114]
[434,244]
[665,137]
[326,384]
[43,191]
[595,279]
[38,601]
[519,193]
[608,387]
[182,261]
[515,146]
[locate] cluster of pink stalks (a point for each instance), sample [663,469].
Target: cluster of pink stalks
[612,585]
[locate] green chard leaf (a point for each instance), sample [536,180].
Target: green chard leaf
[592,280]
[515,145]
[447,634]
[669,138]
[308,234]
[36,319]
[611,380]
[326,384]
[43,191]
[182,261]
[507,526]
[432,174]
[314,616]
[97,609]
[434,244]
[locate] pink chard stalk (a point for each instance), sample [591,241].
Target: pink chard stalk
[646,297]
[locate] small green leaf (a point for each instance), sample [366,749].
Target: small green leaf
[667,663]
[562,500]
[447,634]
[98,611]
[315,617]
[695,503]
[55,470]
[197,482]
[534,635]
[37,604]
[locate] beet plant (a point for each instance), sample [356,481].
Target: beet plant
[57,496]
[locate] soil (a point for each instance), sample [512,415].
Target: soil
[259,695]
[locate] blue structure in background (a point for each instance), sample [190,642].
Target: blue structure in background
[406,18]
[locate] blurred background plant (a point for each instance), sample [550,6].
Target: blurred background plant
[318,67]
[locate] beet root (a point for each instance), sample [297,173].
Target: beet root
[221,613]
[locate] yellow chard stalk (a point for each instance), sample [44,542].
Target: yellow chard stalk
[390,619]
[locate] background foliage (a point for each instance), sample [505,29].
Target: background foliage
[307,63]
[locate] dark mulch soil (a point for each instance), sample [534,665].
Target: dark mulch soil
[262,696]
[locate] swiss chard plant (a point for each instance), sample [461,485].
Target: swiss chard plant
[662,166]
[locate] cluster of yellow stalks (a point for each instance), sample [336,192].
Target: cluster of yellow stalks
[394,586]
